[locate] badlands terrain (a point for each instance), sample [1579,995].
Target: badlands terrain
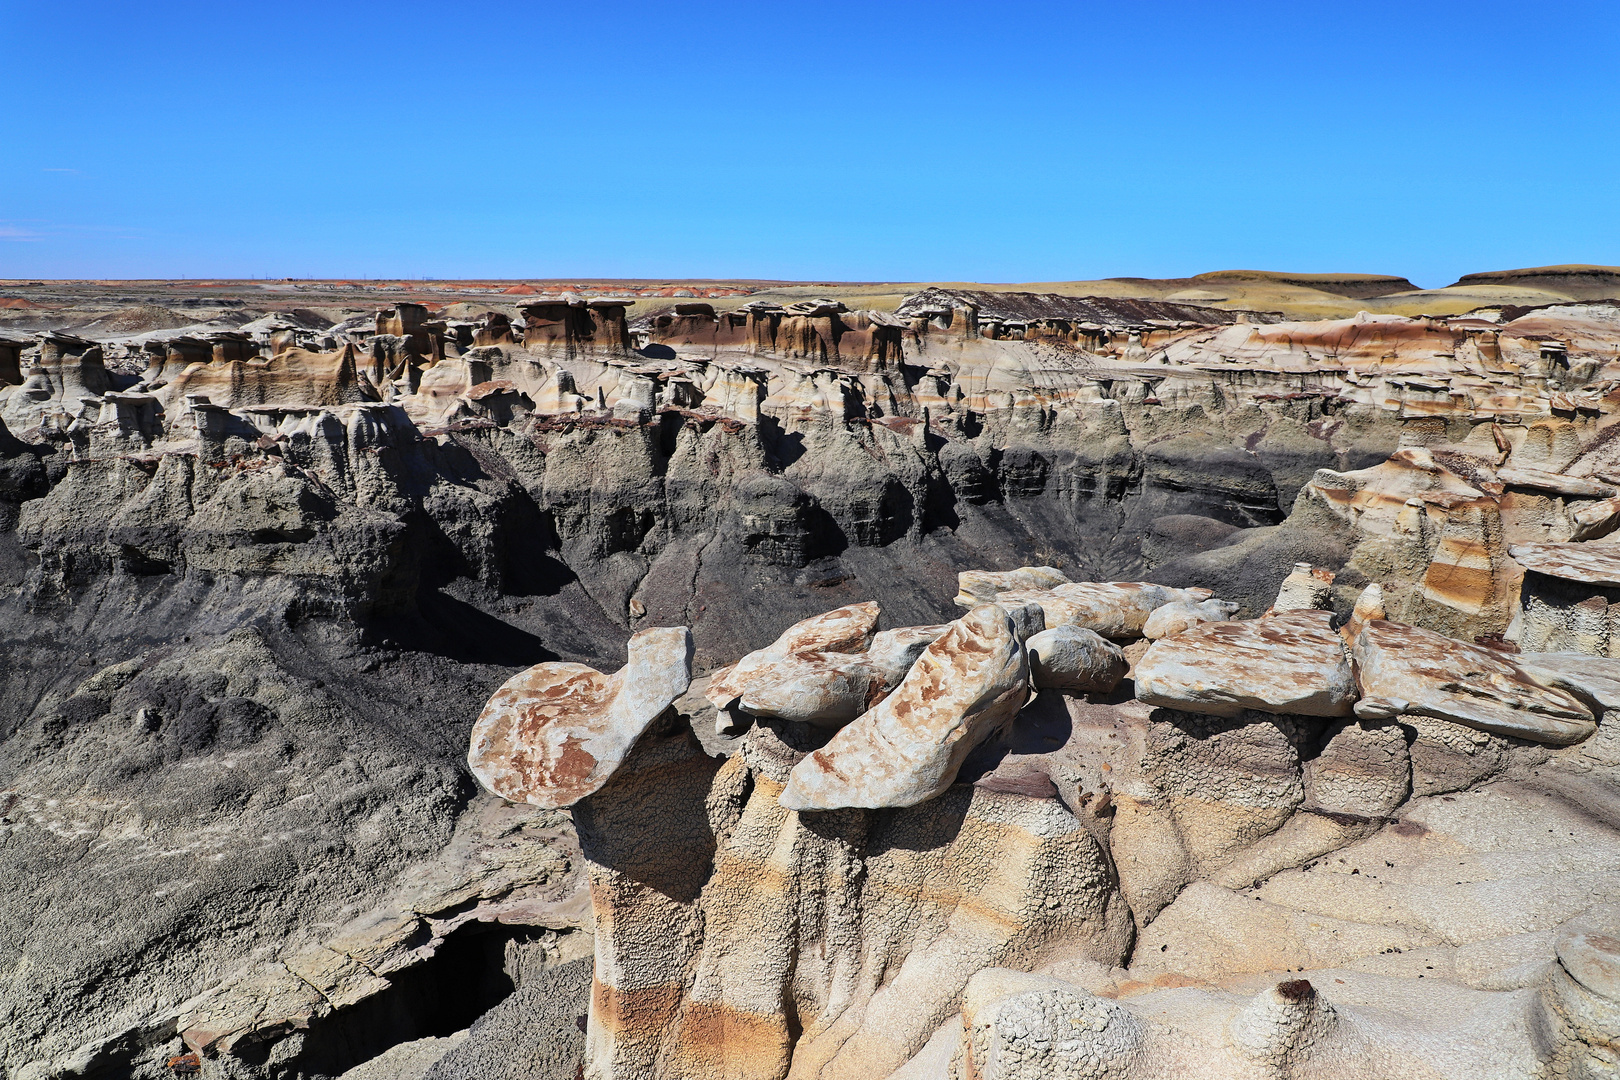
[1122,679]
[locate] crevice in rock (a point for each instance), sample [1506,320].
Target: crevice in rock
[466,977]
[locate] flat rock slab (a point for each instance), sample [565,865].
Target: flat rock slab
[1405,669]
[1289,663]
[557,732]
[848,629]
[1593,564]
[1596,678]
[965,686]
[975,587]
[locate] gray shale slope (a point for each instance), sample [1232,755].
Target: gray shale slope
[254,594]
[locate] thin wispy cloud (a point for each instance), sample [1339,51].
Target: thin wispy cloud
[17,234]
[75,172]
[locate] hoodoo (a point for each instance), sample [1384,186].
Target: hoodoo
[1001,686]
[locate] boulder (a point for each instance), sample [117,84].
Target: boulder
[1291,663]
[1075,660]
[847,629]
[965,686]
[1171,619]
[1114,609]
[1028,617]
[1405,669]
[975,587]
[894,651]
[826,689]
[557,732]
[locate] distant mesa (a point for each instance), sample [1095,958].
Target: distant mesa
[1578,282]
[1353,286]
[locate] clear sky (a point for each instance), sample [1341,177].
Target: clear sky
[992,141]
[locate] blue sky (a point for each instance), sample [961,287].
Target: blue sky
[1010,141]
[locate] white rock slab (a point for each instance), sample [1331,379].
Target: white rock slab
[848,629]
[1171,619]
[1290,663]
[1406,669]
[1115,609]
[965,686]
[975,587]
[557,732]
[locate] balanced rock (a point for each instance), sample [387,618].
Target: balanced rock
[557,732]
[965,686]
[1074,659]
[976,587]
[847,629]
[826,689]
[1406,669]
[1173,618]
[1291,663]
[1114,609]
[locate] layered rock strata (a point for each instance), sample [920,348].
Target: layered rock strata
[778,917]
[404,512]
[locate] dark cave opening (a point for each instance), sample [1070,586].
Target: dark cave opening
[465,978]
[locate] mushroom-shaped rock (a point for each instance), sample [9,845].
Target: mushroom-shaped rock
[1074,659]
[965,686]
[1173,618]
[1293,663]
[1114,609]
[975,587]
[556,733]
[1405,669]
[847,629]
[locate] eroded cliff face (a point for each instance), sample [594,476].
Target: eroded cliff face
[238,565]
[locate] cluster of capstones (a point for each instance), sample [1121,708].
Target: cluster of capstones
[906,706]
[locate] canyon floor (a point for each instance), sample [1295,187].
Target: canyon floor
[1199,677]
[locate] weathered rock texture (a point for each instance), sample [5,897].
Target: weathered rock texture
[817,907]
[257,580]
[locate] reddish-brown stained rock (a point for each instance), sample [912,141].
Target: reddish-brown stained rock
[976,587]
[1405,669]
[1591,564]
[821,688]
[557,732]
[1290,663]
[966,685]
[847,629]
